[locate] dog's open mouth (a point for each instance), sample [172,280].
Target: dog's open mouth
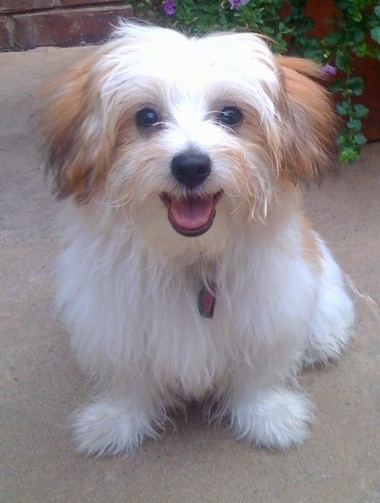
[191,215]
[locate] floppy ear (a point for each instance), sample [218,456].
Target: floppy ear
[78,148]
[310,134]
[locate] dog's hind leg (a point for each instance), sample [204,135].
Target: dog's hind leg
[331,323]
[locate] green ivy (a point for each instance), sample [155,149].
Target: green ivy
[357,23]
[355,32]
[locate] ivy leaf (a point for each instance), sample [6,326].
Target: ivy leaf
[342,60]
[349,154]
[375,34]
[336,86]
[358,35]
[343,108]
[377,10]
[362,49]
[360,139]
[354,124]
[334,38]
[357,16]
[355,84]
[360,110]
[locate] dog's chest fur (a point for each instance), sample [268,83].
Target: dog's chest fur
[148,316]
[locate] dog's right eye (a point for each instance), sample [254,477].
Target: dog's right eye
[146,118]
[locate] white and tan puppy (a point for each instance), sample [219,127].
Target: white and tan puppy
[189,272]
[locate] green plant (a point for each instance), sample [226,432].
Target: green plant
[357,24]
[355,32]
[194,16]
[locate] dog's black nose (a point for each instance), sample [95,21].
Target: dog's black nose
[191,168]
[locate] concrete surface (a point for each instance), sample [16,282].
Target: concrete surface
[40,385]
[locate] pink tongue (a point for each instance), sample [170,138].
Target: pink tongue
[192,213]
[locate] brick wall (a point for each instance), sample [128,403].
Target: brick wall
[26,24]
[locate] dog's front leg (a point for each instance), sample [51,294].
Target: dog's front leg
[119,419]
[263,411]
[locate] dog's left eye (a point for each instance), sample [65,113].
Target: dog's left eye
[146,118]
[230,116]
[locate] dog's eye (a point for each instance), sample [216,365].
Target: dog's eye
[146,118]
[230,116]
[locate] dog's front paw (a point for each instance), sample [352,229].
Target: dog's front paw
[107,429]
[275,418]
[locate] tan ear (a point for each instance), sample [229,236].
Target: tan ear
[310,145]
[78,155]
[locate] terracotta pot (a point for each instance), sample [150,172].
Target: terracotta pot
[366,68]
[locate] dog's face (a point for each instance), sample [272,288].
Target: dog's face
[188,137]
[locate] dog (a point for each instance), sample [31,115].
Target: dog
[188,271]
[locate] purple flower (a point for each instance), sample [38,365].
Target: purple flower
[169,7]
[329,70]
[235,4]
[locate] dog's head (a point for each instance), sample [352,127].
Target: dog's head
[189,136]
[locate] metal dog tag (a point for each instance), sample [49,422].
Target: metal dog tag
[206,303]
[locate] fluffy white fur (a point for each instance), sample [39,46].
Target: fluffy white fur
[129,282]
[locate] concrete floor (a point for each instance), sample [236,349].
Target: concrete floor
[40,385]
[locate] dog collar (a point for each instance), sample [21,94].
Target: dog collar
[206,302]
